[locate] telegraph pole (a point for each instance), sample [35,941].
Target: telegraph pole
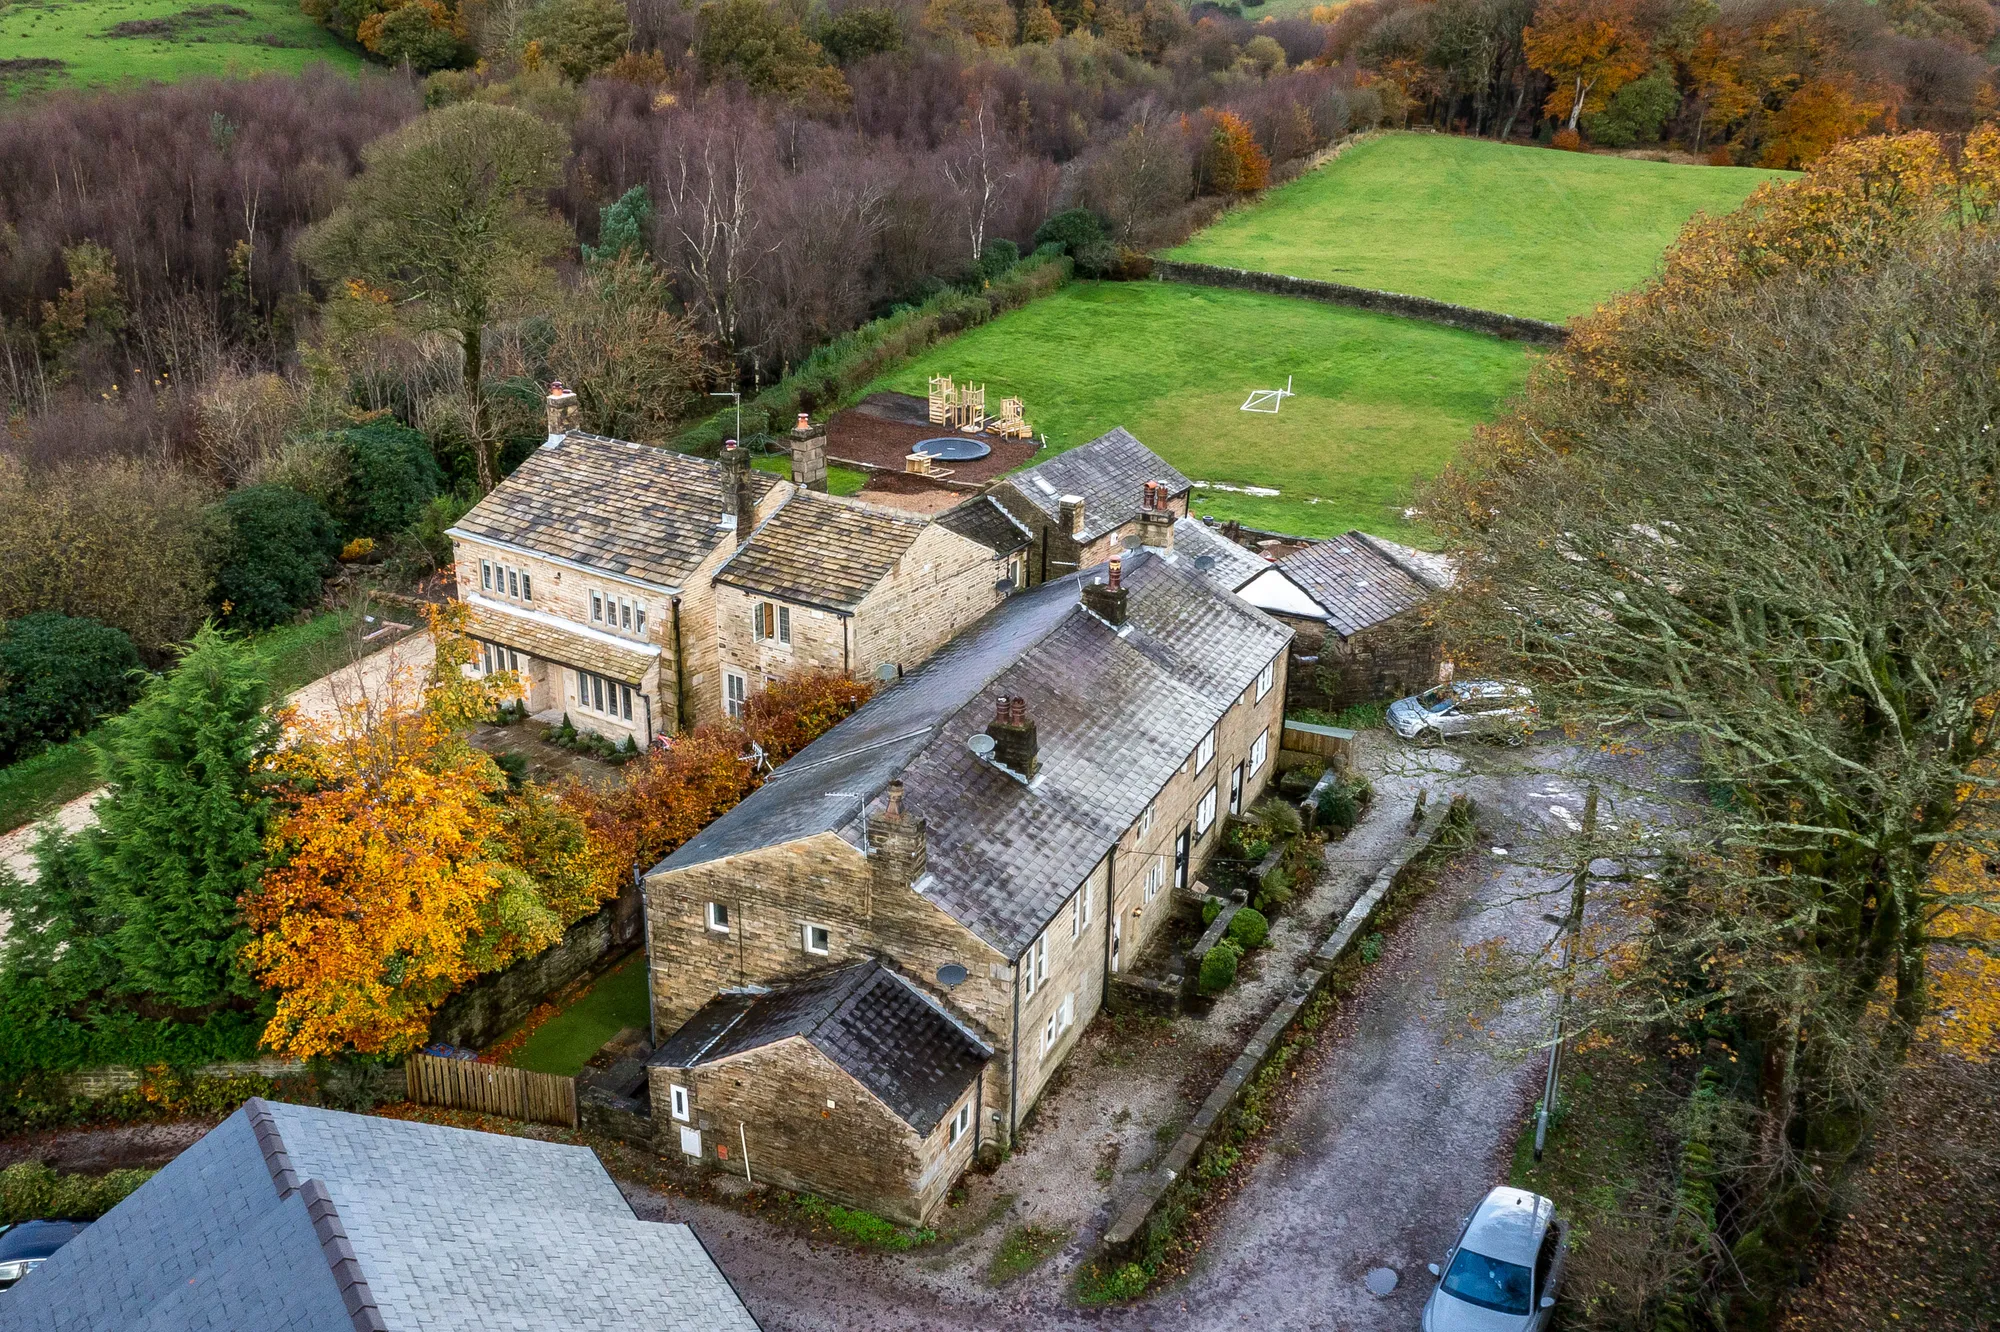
[1572,928]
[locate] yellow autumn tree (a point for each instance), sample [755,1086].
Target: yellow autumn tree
[400,866]
[1589,49]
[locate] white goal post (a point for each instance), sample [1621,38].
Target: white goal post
[1267,400]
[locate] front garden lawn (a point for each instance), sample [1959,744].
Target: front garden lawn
[1380,403]
[564,1043]
[839,480]
[1525,231]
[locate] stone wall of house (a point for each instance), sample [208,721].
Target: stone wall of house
[820,639]
[700,625]
[810,1126]
[1398,657]
[943,583]
[1054,552]
[1075,982]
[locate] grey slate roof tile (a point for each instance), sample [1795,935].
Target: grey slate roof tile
[877,1026]
[451,1231]
[1357,582]
[982,519]
[1116,713]
[1110,473]
[632,510]
[1215,557]
[821,551]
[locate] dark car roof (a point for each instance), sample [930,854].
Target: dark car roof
[37,1239]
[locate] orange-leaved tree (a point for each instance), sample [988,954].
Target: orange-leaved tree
[1590,48]
[400,867]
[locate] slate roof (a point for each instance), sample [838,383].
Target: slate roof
[1110,473]
[981,519]
[1116,712]
[1221,561]
[559,641]
[889,1036]
[287,1218]
[816,550]
[1358,583]
[630,510]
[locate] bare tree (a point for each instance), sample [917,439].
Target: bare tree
[979,163]
[710,232]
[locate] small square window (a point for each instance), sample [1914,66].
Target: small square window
[1265,678]
[624,615]
[784,624]
[1205,751]
[818,940]
[638,619]
[486,575]
[961,1123]
[682,1111]
[596,608]
[718,917]
[527,588]
[1146,822]
[513,583]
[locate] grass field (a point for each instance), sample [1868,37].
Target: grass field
[839,480]
[1381,402]
[563,1043]
[68,43]
[1525,231]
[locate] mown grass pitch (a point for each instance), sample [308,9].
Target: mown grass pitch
[1525,231]
[91,43]
[1378,403]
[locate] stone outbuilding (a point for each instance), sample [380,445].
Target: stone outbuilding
[826,584]
[998,830]
[1082,507]
[1356,606]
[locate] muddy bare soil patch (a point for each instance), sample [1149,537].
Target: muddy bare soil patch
[92,1151]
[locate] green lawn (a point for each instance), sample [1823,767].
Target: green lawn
[294,654]
[58,43]
[1381,402]
[839,480]
[563,1043]
[1525,231]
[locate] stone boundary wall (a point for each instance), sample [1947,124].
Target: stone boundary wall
[1514,327]
[1126,1231]
[95,1084]
[487,1010]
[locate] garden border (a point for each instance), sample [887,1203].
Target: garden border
[1514,327]
[1126,1232]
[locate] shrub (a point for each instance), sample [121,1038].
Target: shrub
[1248,929]
[1277,819]
[1211,907]
[1371,949]
[1637,112]
[58,675]
[1218,968]
[1568,140]
[998,256]
[1082,236]
[31,1191]
[358,549]
[276,548]
[391,477]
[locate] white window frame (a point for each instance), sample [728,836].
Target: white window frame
[717,917]
[1260,749]
[486,575]
[1035,965]
[1048,1036]
[1204,813]
[1083,906]
[1076,914]
[677,1095]
[1204,753]
[1266,678]
[735,693]
[806,939]
[1145,822]
[1156,877]
[961,1123]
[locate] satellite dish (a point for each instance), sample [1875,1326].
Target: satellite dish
[981,744]
[1134,542]
[1204,562]
[951,974]
[888,670]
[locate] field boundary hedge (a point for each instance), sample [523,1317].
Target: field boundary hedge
[838,368]
[1514,327]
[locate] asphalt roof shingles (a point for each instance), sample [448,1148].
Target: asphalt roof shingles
[452,1231]
[631,510]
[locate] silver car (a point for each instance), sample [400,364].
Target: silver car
[1488,709]
[1503,1272]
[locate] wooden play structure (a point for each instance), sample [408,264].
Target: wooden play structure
[963,407]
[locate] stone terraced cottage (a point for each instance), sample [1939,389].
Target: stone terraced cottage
[873,965]
[1084,506]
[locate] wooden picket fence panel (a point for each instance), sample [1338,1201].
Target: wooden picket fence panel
[1332,743]
[492,1089]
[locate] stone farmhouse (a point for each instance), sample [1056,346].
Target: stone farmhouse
[871,967]
[1082,507]
[833,584]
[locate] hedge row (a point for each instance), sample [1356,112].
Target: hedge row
[843,366]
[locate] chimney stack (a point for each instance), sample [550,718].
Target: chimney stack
[736,489]
[898,842]
[1156,518]
[1013,736]
[808,455]
[564,413]
[1069,510]
[1108,600]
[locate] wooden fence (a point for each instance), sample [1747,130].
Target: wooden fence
[1332,743]
[493,1089]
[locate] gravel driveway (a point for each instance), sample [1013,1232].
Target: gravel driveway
[1404,1122]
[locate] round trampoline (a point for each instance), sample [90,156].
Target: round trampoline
[950,448]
